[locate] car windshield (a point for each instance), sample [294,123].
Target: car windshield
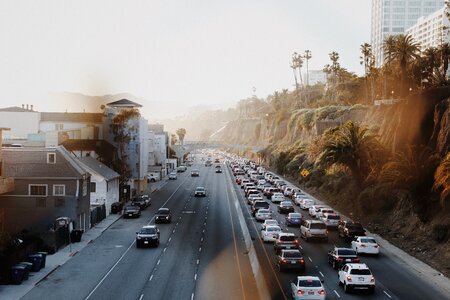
[131,208]
[163,211]
[264,211]
[273,229]
[309,283]
[271,222]
[318,226]
[333,217]
[292,254]
[295,216]
[286,203]
[151,230]
[200,189]
[360,272]
[368,240]
[346,252]
[287,238]
[354,226]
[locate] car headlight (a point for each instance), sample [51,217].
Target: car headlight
[139,237]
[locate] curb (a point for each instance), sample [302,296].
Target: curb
[48,274]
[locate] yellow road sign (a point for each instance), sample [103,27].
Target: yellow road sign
[304,173]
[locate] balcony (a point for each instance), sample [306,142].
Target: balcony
[6,185]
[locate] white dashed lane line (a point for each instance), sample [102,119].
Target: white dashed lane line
[198,261]
[192,296]
[195,277]
[321,274]
[339,296]
[310,259]
[200,249]
[159,261]
[142,296]
[387,294]
[151,277]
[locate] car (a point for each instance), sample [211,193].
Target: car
[349,229]
[323,210]
[254,197]
[366,245]
[208,163]
[153,177]
[290,259]
[285,207]
[313,229]
[258,205]
[307,288]
[181,169]
[131,211]
[294,219]
[143,201]
[218,170]
[277,197]
[163,215]
[195,173]
[307,203]
[286,240]
[270,233]
[313,210]
[356,277]
[147,236]
[263,214]
[270,222]
[340,256]
[331,219]
[251,192]
[200,192]
[173,175]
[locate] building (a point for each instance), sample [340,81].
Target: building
[6,183]
[48,183]
[21,121]
[392,17]
[315,76]
[104,186]
[432,30]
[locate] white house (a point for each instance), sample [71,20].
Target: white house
[21,121]
[104,182]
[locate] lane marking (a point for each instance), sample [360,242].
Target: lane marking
[142,296]
[195,277]
[200,249]
[310,259]
[201,240]
[159,261]
[321,274]
[165,249]
[170,239]
[151,277]
[192,296]
[387,294]
[339,296]
[198,261]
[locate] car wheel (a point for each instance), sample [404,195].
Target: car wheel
[346,288]
[157,243]
[339,281]
[137,245]
[334,265]
[372,290]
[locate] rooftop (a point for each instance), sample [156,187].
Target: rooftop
[123,103]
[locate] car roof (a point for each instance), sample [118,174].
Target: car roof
[286,202]
[149,226]
[286,234]
[200,187]
[358,266]
[273,226]
[343,248]
[294,213]
[315,221]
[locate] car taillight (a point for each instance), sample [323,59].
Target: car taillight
[283,260]
[302,261]
[300,292]
[349,278]
[296,241]
[372,280]
[356,259]
[321,292]
[363,245]
[339,259]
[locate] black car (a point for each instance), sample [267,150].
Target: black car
[349,229]
[341,256]
[163,215]
[290,259]
[218,170]
[147,236]
[285,207]
[195,173]
[200,192]
[259,205]
[131,211]
[143,201]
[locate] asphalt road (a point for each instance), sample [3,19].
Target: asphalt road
[202,254]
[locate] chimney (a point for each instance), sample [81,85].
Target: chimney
[27,107]
[31,107]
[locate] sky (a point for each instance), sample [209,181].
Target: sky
[174,54]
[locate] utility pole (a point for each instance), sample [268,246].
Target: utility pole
[307,56]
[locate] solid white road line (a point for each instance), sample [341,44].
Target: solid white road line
[387,294]
[321,274]
[142,296]
[151,277]
[339,296]
[192,296]
[159,261]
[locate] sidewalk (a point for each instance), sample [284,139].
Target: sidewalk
[54,261]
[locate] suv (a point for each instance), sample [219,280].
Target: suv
[340,256]
[307,287]
[258,205]
[313,229]
[286,240]
[356,276]
[349,229]
[195,173]
[131,211]
[331,220]
[290,259]
[148,235]
[200,192]
[143,201]
[163,215]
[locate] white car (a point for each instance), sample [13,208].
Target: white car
[277,197]
[299,199]
[313,210]
[270,222]
[263,214]
[365,244]
[307,203]
[307,287]
[356,276]
[331,219]
[324,210]
[254,197]
[173,175]
[270,233]
[261,182]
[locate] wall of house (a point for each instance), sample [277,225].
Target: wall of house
[21,124]
[112,194]
[87,130]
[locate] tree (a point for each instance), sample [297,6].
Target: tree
[307,57]
[353,146]
[405,51]
[442,179]
[444,51]
[368,61]
[388,51]
[173,139]
[120,128]
[181,132]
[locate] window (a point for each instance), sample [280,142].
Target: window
[59,202]
[59,126]
[51,158]
[93,187]
[41,202]
[84,187]
[59,190]
[399,10]
[37,190]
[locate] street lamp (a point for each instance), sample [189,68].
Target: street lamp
[392,94]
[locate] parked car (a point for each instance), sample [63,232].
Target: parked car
[270,222]
[163,215]
[294,219]
[356,276]
[330,219]
[195,173]
[340,256]
[286,240]
[263,214]
[173,175]
[366,245]
[152,177]
[290,259]
[307,288]
[285,207]
[270,233]
[147,236]
[313,229]
[131,211]
[143,201]
[349,229]
[200,192]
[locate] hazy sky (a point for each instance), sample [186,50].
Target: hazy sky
[176,53]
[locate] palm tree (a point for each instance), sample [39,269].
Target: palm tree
[181,132]
[307,57]
[405,51]
[173,139]
[368,61]
[444,50]
[353,146]
[388,51]
[294,67]
[334,57]
[442,179]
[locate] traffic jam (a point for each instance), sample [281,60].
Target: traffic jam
[298,219]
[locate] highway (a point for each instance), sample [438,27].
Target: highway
[203,255]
